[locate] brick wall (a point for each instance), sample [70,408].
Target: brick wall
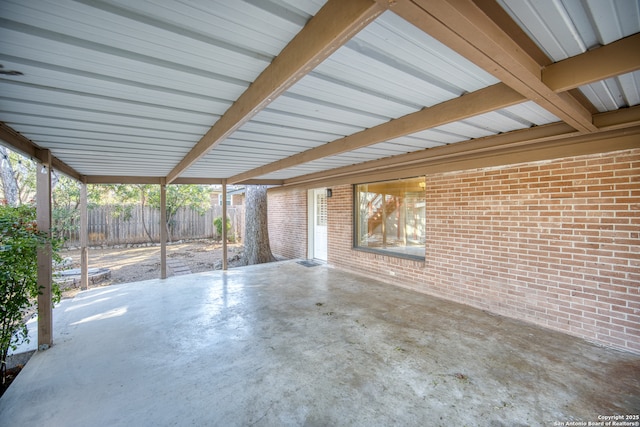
[237,199]
[288,222]
[556,243]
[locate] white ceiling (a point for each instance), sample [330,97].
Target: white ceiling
[128,88]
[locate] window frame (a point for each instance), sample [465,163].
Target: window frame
[356,219]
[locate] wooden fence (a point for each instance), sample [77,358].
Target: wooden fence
[117,225]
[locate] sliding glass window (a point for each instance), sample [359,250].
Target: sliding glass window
[390,217]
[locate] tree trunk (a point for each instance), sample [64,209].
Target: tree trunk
[8,177]
[256,233]
[143,200]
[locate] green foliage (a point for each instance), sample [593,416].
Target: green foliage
[25,173]
[65,215]
[19,241]
[196,197]
[218,223]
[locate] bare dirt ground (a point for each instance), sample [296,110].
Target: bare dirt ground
[135,264]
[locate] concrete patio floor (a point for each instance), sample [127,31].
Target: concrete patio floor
[283,344]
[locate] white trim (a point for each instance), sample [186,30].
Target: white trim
[311,220]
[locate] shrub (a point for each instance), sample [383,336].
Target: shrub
[19,241]
[218,223]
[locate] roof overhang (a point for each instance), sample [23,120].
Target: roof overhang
[313,92]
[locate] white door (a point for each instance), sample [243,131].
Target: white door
[320,224]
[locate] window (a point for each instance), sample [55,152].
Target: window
[321,209]
[228,199]
[390,217]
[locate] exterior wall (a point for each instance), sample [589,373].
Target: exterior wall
[555,243]
[288,222]
[237,199]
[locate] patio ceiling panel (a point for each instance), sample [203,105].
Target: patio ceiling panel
[272,130]
[53,126]
[64,80]
[90,25]
[520,116]
[614,93]
[258,146]
[388,70]
[98,71]
[60,51]
[354,95]
[163,139]
[516,117]
[64,99]
[113,143]
[255,28]
[298,105]
[265,153]
[564,29]
[304,119]
[258,89]
[423,67]
[263,138]
[37,111]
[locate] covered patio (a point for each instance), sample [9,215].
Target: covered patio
[285,344]
[317,95]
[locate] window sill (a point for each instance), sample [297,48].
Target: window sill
[389,253]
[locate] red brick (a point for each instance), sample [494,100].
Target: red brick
[554,243]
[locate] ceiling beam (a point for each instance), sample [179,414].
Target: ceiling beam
[553,148]
[121,179]
[617,58]
[624,121]
[620,57]
[490,143]
[618,119]
[579,144]
[478,102]
[118,179]
[224,180]
[334,24]
[565,75]
[23,145]
[496,12]
[464,27]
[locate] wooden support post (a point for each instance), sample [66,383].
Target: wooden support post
[224,225]
[163,230]
[84,238]
[44,255]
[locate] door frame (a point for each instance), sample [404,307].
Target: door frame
[311,220]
